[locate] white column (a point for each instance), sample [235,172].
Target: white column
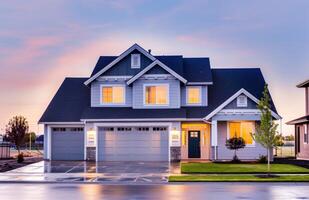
[49,129]
[214,136]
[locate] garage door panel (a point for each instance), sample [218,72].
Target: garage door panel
[133,145]
[67,145]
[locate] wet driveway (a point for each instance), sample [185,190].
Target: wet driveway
[102,172]
[259,191]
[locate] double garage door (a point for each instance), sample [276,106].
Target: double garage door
[133,144]
[114,144]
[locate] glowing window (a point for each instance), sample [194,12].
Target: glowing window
[242,129]
[156,95]
[112,94]
[193,95]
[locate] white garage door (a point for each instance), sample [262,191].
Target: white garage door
[133,144]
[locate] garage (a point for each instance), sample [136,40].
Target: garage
[67,143]
[133,144]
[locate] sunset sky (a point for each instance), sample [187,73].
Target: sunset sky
[42,42]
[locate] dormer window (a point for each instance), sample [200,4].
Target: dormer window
[242,101]
[135,61]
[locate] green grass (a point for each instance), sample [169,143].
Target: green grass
[244,168]
[238,178]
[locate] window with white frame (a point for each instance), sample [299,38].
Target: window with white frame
[112,94]
[242,101]
[135,60]
[194,95]
[242,129]
[156,94]
[306,134]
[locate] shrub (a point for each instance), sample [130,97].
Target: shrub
[20,158]
[262,159]
[235,143]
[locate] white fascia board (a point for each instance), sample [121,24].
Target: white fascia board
[199,83]
[234,96]
[62,123]
[141,120]
[119,58]
[156,62]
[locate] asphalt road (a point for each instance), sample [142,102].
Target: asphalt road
[218,191]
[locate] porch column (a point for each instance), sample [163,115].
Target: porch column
[214,137]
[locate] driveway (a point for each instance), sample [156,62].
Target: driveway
[102,172]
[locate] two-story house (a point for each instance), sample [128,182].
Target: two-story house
[302,127]
[141,107]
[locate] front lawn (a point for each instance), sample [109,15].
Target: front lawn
[243,168]
[238,178]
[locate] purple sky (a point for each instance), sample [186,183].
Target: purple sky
[41,42]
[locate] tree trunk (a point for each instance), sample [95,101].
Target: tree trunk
[268,161]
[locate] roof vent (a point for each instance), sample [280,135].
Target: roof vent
[149,51]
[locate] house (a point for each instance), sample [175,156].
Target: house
[302,127]
[141,107]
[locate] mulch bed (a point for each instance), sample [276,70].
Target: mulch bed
[10,164]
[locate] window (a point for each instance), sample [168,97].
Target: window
[242,129]
[242,101]
[142,129]
[159,128]
[156,95]
[306,139]
[106,129]
[124,129]
[76,129]
[112,94]
[135,60]
[194,95]
[59,129]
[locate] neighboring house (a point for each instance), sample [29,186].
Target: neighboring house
[302,127]
[141,107]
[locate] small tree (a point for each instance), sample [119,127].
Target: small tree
[266,131]
[279,142]
[16,131]
[235,143]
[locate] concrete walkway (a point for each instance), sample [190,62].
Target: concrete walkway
[93,172]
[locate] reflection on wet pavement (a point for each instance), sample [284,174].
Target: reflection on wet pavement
[260,191]
[104,172]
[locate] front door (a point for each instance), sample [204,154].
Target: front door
[194,144]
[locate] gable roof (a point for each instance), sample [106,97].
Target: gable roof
[233,97]
[119,58]
[72,101]
[156,63]
[303,84]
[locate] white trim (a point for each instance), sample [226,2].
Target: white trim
[119,58]
[97,144]
[156,84]
[144,120]
[214,134]
[61,123]
[240,121]
[113,78]
[199,83]
[156,62]
[113,85]
[85,142]
[49,142]
[306,134]
[239,112]
[138,65]
[187,95]
[234,96]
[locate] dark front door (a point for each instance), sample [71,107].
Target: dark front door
[194,144]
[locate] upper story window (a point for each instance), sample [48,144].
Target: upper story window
[112,94]
[242,101]
[135,60]
[242,129]
[156,94]
[194,95]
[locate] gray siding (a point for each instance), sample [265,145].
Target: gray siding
[174,93]
[233,105]
[123,67]
[248,153]
[95,93]
[157,70]
[204,96]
